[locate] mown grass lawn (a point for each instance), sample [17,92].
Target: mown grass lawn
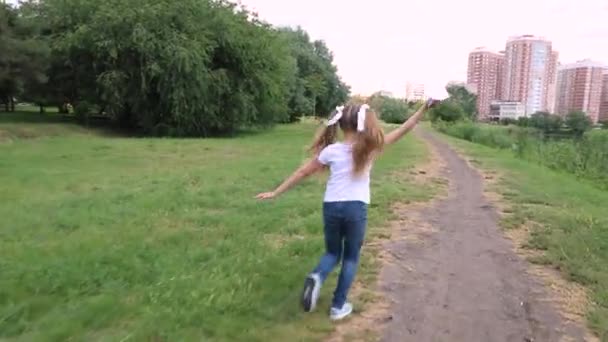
[124,239]
[572,213]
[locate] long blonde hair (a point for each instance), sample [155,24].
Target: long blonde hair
[368,141]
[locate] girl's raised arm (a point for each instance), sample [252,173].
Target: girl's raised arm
[311,167]
[408,125]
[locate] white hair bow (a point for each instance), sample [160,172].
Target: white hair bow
[339,111]
[361,118]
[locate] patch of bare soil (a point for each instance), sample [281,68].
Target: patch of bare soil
[4,137]
[571,299]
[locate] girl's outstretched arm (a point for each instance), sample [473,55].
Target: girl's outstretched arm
[407,126]
[311,167]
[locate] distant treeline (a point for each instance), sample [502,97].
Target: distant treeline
[164,67]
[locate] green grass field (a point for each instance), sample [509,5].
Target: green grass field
[122,239]
[572,212]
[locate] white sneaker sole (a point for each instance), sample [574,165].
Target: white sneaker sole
[311,291]
[341,316]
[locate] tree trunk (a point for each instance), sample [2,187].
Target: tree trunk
[12,104]
[41,109]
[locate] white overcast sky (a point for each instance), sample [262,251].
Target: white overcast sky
[383,44]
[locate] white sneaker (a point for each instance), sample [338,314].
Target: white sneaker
[311,291]
[336,314]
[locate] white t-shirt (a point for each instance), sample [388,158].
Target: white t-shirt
[342,184]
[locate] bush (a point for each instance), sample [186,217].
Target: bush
[545,122]
[508,122]
[388,109]
[447,111]
[493,136]
[579,123]
[585,157]
[594,148]
[523,122]
[83,111]
[394,111]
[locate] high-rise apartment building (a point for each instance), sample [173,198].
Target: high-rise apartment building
[530,73]
[502,62]
[415,92]
[552,87]
[579,88]
[603,117]
[484,75]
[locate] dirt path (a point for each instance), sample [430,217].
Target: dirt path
[455,276]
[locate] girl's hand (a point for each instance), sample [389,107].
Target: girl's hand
[312,166]
[266,195]
[430,103]
[408,125]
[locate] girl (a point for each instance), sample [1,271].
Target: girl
[347,194]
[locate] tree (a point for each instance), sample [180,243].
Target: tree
[523,121]
[579,123]
[390,109]
[33,30]
[23,58]
[448,111]
[337,91]
[467,101]
[7,58]
[167,67]
[301,101]
[163,67]
[545,122]
[395,111]
[316,88]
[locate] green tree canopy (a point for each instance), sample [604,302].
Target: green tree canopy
[389,109]
[545,122]
[578,122]
[316,88]
[448,111]
[190,67]
[23,61]
[460,104]
[165,67]
[467,101]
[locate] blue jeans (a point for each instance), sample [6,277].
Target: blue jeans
[345,224]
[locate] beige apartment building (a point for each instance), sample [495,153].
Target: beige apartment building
[530,73]
[503,110]
[579,88]
[484,76]
[415,92]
